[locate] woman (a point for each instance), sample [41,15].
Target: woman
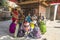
[14,21]
[14,15]
[22,17]
[28,18]
[34,17]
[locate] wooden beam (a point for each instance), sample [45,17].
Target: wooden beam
[44,3]
[28,2]
[42,0]
[36,1]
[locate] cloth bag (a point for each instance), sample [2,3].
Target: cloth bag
[32,25]
[42,27]
[21,31]
[35,33]
[12,27]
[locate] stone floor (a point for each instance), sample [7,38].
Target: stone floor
[53,33]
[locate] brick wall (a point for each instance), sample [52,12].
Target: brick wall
[42,10]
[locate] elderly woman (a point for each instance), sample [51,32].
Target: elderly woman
[14,15]
[14,21]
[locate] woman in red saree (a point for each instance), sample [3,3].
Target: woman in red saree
[14,21]
[14,15]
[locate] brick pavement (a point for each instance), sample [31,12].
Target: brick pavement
[51,34]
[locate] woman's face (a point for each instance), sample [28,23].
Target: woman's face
[29,14]
[16,21]
[18,9]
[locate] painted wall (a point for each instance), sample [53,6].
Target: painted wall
[13,0]
[55,1]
